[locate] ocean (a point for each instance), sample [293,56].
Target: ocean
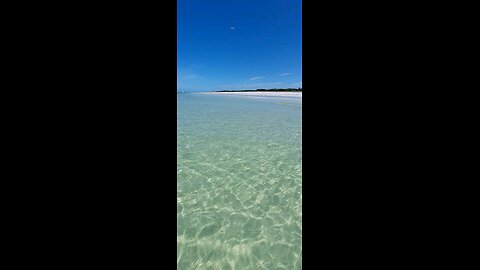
[239,182]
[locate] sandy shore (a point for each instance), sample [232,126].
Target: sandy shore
[259,94]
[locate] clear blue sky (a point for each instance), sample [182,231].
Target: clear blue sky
[239,44]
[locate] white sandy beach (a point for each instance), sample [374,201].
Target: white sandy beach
[260,94]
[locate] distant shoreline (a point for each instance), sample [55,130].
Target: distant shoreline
[255,93]
[249,91]
[262,90]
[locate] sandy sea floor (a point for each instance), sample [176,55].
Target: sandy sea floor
[239,182]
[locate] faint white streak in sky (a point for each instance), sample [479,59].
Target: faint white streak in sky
[256,78]
[285,74]
[256,85]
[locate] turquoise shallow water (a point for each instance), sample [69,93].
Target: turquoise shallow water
[239,182]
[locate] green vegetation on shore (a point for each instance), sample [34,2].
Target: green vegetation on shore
[266,90]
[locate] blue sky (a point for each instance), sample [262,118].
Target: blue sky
[238,44]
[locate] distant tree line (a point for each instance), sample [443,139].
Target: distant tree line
[267,90]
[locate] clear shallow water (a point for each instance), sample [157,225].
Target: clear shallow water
[239,182]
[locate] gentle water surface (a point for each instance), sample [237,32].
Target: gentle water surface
[239,182]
